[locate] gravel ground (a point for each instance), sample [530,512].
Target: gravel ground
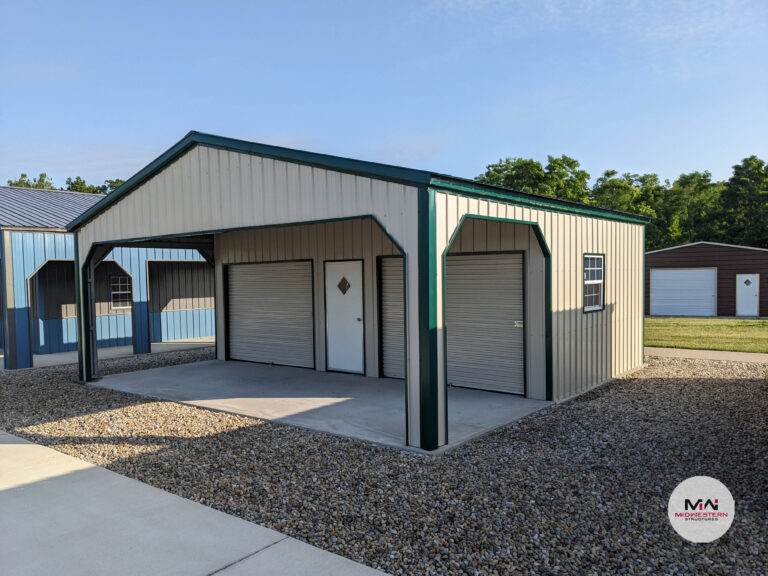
[579,487]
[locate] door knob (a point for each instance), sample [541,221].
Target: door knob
[359,319]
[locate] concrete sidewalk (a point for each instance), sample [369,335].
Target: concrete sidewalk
[60,515]
[707,354]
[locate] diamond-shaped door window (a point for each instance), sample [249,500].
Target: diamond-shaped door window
[747,282]
[344,285]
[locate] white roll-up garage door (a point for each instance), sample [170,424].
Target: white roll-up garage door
[684,292]
[270,313]
[485,321]
[392,318]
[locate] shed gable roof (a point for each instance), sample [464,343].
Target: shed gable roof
[38,208]
[409,176]
[709,244]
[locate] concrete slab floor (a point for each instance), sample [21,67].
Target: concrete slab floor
[60,515]
[371,409]
[62,358]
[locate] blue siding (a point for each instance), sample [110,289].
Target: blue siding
[60,334]
[55,335]
[32,249]
[182,324]
[134,260]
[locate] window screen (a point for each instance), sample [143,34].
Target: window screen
[593,283]
[120,292]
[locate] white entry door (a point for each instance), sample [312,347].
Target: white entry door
[344,315]
[747,294]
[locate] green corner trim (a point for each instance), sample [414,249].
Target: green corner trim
[642,316]
[428,384]
[80,324]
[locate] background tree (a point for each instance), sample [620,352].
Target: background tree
[694,202]
[561,178]
[693,208]
[745,203]
[43,181]
[113,184]
[77,184]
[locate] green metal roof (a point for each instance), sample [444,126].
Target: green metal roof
[409,176]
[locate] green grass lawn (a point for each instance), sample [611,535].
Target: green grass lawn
[707,334]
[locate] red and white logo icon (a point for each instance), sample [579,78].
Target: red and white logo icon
[701,509]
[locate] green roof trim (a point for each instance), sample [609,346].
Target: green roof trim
[408,176]
[537,201]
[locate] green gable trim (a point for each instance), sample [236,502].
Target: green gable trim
[479,190]
[357,167]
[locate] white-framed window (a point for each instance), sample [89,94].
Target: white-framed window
[594,282]
[120,292]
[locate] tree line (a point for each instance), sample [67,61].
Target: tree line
[76,184]
[690,209]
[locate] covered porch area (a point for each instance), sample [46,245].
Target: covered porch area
[350,405]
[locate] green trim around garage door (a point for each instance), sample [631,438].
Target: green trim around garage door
[547,290]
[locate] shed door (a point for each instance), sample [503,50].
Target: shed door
[270,314]
[747,294]
[684,292]
[485,321]
[392,318]
[344,329]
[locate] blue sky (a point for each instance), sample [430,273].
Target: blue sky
[99,89]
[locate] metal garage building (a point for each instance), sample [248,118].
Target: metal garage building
[337,264]
[142,295]
[707,279]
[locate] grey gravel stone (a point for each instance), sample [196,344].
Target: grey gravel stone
[578,488]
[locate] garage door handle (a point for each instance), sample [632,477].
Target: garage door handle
[519,324]
[359,319]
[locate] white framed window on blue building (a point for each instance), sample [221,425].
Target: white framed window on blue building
[120,296]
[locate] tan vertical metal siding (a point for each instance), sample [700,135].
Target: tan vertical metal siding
[587,348]
[343,240]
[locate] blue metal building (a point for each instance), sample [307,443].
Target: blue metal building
[144,295]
